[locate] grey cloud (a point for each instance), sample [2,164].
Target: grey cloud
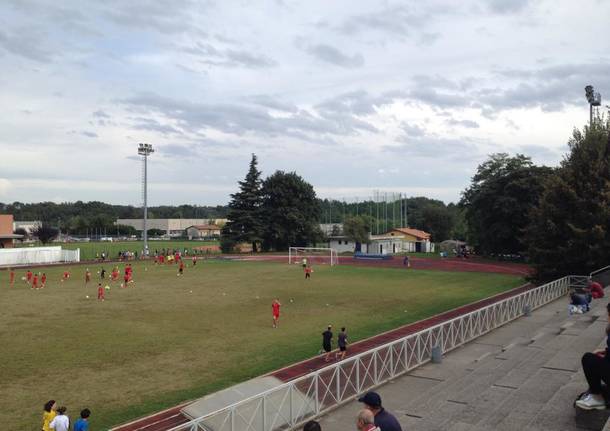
[395,20]
[440,99]
[463,123]
[153,125]
[507,6]
[241,118]
[100,114]
[330,54]
[413,131]
[27,43]
[229,57]
[89,134]
[164,16]
[356,102]
[436,147]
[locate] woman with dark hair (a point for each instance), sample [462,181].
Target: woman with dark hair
[48,414]
[596,367]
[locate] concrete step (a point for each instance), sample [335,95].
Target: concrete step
[521,408]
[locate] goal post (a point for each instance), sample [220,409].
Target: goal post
[318,255]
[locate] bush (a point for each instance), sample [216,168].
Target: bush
[227,245]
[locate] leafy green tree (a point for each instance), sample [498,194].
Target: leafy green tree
[356,228]
[245,223]
[291,212]
[155,232]
[502,193]
[45,233]
[569,232]
[438,221]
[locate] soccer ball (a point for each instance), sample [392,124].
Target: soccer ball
[23,278]
[107,287]
[87,296]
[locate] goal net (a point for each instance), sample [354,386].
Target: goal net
[312,255]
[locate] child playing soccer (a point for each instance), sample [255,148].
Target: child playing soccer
[65,276]
[35,281]
[100,292]
[194,260]
[181,269]
[308,272]
[87,276]
[43,280]
[275,308]
[28,276]
[11,277]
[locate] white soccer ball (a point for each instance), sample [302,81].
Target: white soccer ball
[87,296]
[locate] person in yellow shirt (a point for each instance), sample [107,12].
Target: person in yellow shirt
[48,415]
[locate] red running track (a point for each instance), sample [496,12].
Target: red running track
[446,264]
[172,417]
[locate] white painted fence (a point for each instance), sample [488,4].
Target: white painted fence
[37,255]
[289,405]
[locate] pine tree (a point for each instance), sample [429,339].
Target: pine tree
[244,218]
[569,232]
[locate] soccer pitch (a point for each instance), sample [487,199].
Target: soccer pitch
[167,339]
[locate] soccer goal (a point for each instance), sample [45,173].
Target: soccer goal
[317,255]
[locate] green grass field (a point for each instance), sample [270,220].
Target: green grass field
[88,250]
[168,339]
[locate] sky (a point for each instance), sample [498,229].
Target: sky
[400,96]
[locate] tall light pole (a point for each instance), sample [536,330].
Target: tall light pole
[145,150]
[594,99]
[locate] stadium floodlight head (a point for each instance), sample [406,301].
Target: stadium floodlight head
[589,93]
[593,97]
[145,149]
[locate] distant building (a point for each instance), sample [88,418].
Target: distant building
[6,231]
[203,231]
[29,226]
[397,240]
[331,229]
[171,226]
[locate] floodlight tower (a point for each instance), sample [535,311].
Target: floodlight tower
[594,99]
[145,150]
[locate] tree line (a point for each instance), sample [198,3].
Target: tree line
[558,219]
[98,218]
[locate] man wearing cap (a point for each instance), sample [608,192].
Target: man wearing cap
[383,419]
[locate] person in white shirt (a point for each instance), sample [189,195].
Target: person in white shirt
[61,422]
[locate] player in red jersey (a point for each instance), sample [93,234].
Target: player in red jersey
[115,274]
[43,280]
[65,276]
[35,281]
[181,269]
[100,292]
[194,260]
[308,271]
[28,276]
[275,307]
[11,277]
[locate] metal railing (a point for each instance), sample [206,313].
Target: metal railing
[292,403]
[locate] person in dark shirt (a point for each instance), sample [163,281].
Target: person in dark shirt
[327,337]
[342,343]
[596,367]
[383,419]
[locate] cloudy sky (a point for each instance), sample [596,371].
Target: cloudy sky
[403,96]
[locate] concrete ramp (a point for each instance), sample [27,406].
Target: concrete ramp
[279,406]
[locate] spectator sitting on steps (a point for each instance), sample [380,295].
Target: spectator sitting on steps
[596,367]
[383,419]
